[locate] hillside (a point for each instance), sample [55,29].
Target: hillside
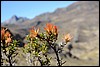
[80,19]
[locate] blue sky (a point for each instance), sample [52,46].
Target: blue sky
[29,9]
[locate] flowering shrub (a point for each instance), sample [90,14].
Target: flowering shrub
[37,45]
[8,47]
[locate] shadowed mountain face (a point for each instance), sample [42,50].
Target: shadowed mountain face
[80,19]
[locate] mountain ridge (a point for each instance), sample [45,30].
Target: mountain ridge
[15,20]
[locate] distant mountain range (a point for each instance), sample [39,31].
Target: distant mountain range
[80,19]
[15,20]
[79,14]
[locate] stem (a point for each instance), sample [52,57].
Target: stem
[40,61]
[9,57]
[9,61]
[56,52]
[57,56]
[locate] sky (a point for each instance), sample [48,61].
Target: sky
[29,9]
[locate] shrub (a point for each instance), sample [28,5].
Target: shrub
[38,44]
[8,48]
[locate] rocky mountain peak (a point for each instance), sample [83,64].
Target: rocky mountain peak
[15,19]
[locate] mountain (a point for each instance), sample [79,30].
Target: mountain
[15,20]
[80,19]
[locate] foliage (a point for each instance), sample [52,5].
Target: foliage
[8,48]
[37,45]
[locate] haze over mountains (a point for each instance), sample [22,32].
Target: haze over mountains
[80,19]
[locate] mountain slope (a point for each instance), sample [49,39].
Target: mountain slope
[80,19]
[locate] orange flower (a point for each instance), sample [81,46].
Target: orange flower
[34,32]
[67,37]
[50,28]
[7,34]
[2,34]
[8,40]
[54,30]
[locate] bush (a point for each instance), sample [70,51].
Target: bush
[38,44]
